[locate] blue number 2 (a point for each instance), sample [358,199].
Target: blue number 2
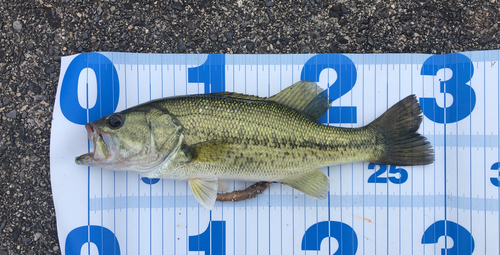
[345,235]
[463,243]
[464,97]
[347,75]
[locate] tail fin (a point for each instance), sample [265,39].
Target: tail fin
[397,130]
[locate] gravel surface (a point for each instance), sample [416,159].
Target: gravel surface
[34,33]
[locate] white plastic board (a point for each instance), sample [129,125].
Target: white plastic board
[450,206]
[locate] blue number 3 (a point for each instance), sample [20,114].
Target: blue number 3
[464,97]
[463,242]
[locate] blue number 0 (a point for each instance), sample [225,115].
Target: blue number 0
[464,97]
[102,237]
[347,75]
[494,180]
[108,88]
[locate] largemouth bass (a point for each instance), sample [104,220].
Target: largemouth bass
[212,138]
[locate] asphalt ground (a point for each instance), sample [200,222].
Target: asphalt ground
[35,33]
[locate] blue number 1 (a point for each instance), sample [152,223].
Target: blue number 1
[211,73]
[464,97]
[212,241]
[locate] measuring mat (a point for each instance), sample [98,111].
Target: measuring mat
[448,207]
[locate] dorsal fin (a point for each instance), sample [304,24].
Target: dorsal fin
[239,96]
[304,96]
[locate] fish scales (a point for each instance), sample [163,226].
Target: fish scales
[208,139]
[272,137]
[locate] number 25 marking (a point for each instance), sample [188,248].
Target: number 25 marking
[374,178]
[345,235]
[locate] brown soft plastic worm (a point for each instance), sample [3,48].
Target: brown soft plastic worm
[239,195]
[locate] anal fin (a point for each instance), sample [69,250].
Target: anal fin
[205,191]
[314,183]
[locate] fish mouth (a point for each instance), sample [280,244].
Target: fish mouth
[102,145]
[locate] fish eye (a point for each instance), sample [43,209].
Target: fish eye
[116,120]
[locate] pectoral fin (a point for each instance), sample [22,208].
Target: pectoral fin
[205,191]
[207,152]
[314,183]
